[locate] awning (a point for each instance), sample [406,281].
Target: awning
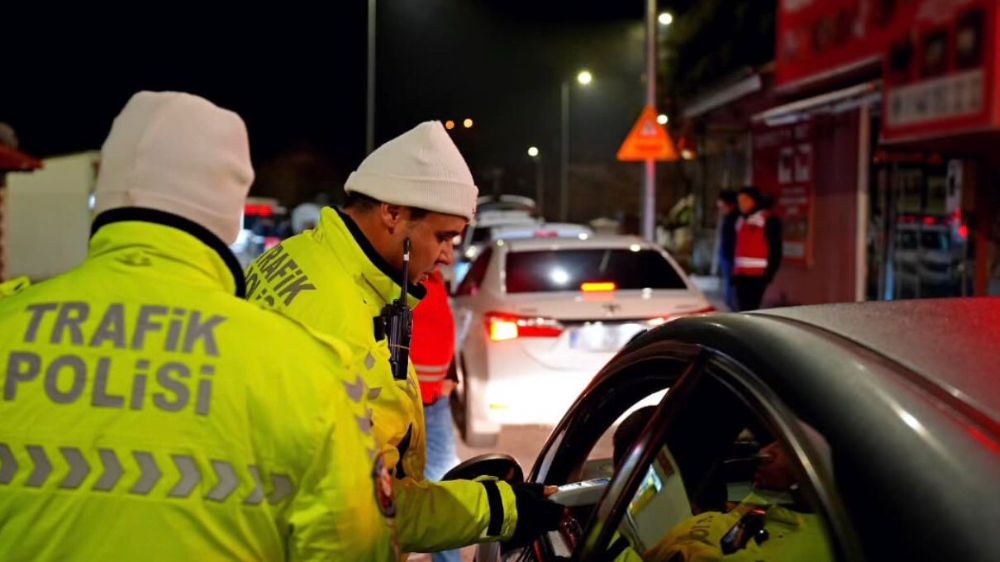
[723,95]
[12,160]
[831,102]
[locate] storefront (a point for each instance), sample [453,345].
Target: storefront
[882,150]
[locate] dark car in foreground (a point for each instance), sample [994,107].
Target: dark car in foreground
[841,432]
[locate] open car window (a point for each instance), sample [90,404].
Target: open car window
[721,482]
[582,447]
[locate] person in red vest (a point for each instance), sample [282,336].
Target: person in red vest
[432,350]
[758,249]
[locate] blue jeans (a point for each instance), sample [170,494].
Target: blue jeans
[441,456]
[726,279]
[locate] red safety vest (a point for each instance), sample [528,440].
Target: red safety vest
[433,345]
[751,245]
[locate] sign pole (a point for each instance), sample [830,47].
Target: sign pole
[649,185]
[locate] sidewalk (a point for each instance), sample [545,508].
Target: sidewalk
[709,284]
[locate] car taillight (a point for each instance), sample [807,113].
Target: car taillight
[598,287]
[502,327]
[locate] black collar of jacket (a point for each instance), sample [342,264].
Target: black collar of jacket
[154,216]
[416,291]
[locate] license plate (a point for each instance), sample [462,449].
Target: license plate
[599,338]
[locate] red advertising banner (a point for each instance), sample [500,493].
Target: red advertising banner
[824,37]
[940,76]
[941,70]
[783,169]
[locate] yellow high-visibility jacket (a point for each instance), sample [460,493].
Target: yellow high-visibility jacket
[149,414]
[332,280]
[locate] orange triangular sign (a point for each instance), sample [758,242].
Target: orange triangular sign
[647,141]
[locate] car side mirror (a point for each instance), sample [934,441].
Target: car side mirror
[497,465]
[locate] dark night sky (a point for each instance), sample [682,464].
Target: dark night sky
[297,76]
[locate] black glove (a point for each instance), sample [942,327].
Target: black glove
[535,514]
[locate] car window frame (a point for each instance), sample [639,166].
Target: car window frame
[678,272]
[484,258]
[600,405]
[769,408]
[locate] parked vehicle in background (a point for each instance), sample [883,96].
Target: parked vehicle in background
[265,224]
[479,233]
[541,230]
[928,257]
[488,203]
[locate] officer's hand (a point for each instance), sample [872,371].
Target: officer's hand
[535,514]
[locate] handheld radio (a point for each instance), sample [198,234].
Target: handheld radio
[398,321]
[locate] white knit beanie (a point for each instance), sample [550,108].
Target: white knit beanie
[421,168]
[180,154]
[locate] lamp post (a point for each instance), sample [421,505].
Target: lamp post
[536,157]
[584,78]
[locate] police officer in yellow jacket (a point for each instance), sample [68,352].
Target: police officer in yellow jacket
[151,414]
[339,277]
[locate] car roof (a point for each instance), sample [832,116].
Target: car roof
[487,219]
[596,241]
[552,229]
[947,347]
[952,343]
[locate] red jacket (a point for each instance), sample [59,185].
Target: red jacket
[751,245]
[433,345]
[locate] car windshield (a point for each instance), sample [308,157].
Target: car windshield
[568,269]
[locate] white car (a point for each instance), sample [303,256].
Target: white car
[541,230]
[537,318]
[480,233]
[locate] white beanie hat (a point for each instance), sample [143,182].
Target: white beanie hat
[180,154]
[421,168]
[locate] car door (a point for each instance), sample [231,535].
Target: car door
[581,446]
[465,294]
[696,478]
[722,468]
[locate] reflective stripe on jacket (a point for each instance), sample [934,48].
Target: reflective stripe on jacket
[751,245]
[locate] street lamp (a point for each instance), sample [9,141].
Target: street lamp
[536,156]
[584,78]
[467,123]
[662,119]
[665,18]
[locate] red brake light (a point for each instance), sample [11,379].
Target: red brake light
[258,210]
[503,327]
[598,287]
